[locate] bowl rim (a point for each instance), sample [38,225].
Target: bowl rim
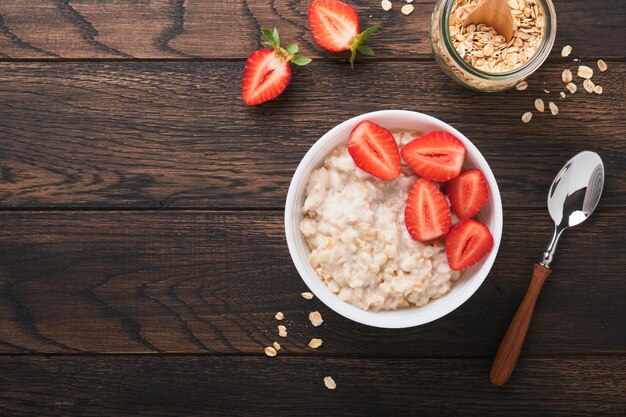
[394,319]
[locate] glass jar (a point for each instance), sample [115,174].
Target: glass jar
[462,71]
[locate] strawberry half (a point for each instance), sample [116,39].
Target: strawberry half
[374,150]
[427,214]
[467,243]
[335,26]
[436,156]
[268,71]
[468,193]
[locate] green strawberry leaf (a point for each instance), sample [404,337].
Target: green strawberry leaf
[365,50]
[292,48]
[300,60]
[367,32]
[359,43]
[269,35]
[276,37]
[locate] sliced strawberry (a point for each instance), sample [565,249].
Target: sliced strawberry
[268,72]
[266,76]
[335,26]
[468,193]
[436,156]
[427,214]
[467,243]
[374,150]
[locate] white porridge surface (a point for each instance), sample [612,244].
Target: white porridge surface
[354,226]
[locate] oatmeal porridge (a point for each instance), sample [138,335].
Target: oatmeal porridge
[354,225]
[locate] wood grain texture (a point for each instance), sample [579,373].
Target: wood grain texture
[149,282]
[206,386]
[158,134]
[178,29]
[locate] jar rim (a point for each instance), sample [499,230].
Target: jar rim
[547,42]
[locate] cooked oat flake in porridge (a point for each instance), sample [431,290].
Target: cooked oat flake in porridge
[355,229]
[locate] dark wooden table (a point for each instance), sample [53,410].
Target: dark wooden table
[142,252]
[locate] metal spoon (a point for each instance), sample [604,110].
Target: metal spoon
[573,196]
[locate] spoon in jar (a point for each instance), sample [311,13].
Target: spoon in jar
[573,196]
[494,13]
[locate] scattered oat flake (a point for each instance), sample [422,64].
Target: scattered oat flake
[282,331]
[386,5]
[566,76]
[521,86]
[585,72]
[546,91]
[566,51]
[526,117]
[598,89]
[315,343]
[562,94]
[539,105]
[315,318]
[589,86]
[407,9]
[270,351]
[279,316]
[571,87]
[409,1]
[554,109]
[307,295]
[277,346]
[602,65]
[329,382]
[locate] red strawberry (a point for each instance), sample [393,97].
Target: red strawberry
[427,214]
[436,156]
[268,71]
[335,26]
[467,243]
[374,150]
[468,193]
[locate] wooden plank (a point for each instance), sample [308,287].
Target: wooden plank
[260,386]
[147,282]
[49,29]
[154,134]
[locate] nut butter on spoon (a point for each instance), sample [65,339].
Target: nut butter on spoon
[494,13]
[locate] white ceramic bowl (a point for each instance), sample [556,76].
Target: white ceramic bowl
[471,278]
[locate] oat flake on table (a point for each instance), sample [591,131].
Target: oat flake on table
[315,318]
[407,9]
[315,343]
[329,382]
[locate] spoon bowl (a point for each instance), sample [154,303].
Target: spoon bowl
[574,195]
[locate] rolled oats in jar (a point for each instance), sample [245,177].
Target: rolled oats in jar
[480,58]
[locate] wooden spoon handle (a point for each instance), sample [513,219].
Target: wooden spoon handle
[511,345]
